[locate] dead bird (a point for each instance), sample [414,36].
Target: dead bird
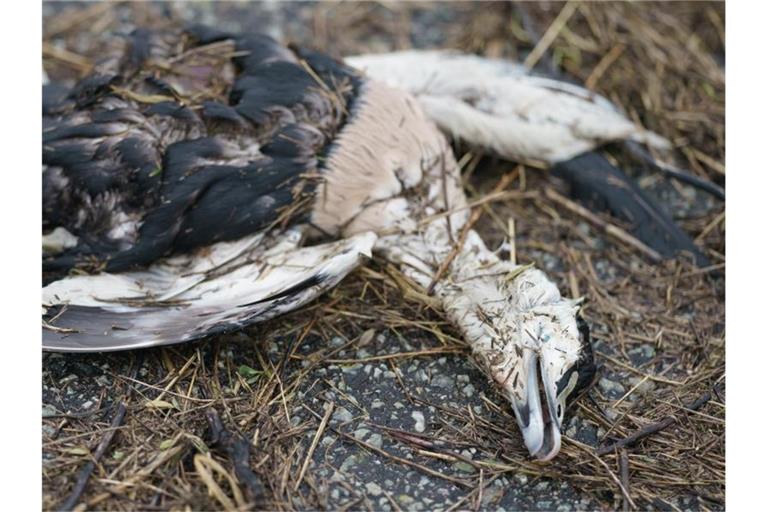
[200,181]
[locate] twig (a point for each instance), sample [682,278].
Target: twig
[550,35]
[628,393]
[396,355]
[512,244]
[400,460]
[613,477]
[73,60]
[320,430]
[652,428]
[709,227]
[87,470]
[602,66]
[500,186]
[205,466]
[61,330]
[455,251]
[238,450]
[624,475]
[117,421]
[479,492]
[632,369]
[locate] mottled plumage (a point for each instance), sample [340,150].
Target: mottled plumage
[198,181]
[141,162]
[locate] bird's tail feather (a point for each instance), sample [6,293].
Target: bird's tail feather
[711,188]
[597,183]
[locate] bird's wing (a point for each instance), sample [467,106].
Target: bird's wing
[500,106]
[218,289]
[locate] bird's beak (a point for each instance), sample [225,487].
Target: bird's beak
[539,423]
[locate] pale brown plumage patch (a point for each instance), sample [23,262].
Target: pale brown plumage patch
[385,149]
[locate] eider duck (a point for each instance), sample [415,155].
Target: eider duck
[201,181]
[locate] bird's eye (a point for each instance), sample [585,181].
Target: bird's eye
[579,376]
[585,366]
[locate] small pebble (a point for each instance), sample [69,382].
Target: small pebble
[421,424]
[342,415]
[611,389]
[464,466]
[66,380]
[375,440]
[405,500]
[352,369]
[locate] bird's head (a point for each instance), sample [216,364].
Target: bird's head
[554,363]
[533,344]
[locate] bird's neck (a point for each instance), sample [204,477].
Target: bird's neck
[485,297]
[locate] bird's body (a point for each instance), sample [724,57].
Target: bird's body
[168,203]
[201,181]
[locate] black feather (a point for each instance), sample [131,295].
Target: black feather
[597,183]
[315,280]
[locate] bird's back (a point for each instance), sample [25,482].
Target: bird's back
[181,139]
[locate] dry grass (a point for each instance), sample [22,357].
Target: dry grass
[659,62]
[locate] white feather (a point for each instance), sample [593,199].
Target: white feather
[500,106]
[58,240]
[186,297]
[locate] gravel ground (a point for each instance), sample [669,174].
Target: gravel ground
[400,408]
[390,407]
